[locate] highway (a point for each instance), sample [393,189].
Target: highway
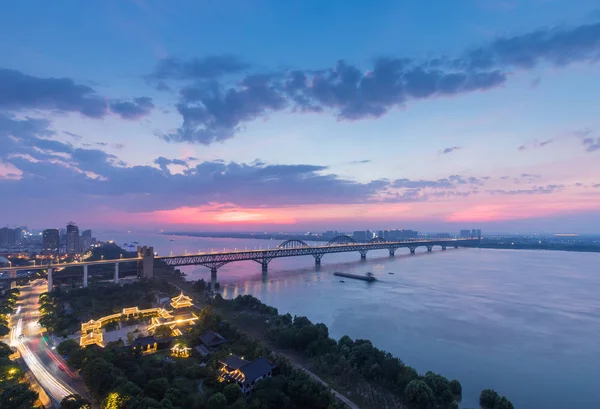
[29,338]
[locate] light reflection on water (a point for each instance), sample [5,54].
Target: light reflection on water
[526,323]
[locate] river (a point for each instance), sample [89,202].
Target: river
[525,323]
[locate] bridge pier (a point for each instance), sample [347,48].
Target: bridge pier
[50,283]
[85,275]
[317,259]
[443,247]
[412,250]
[116,273]
[429,249]
[392,252]
[213,277]
[363,255]
[13,283]
[456,246]
[146,264]
[265,266]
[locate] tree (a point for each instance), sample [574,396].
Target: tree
[453,405]
[503,403]
[67,347]
[156,388]
[5,350]
[232,392]
[74,402]
[418,394]
[487,398]
[17,396]
[456,387]
[217,401]
[162,331]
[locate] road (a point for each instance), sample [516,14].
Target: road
[29,338]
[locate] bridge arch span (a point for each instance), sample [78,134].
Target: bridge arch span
[292,244]
[341,240]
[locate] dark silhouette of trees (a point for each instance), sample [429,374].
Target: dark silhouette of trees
[419,395]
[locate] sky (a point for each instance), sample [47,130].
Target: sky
[270,115]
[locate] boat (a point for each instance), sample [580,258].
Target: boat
[368,277]
[342,281]
[171,239]
[390,273]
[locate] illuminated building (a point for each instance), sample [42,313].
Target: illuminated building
[180,351]
[246,374]
[72,238]
[51,241]
[181,301]
[91,330]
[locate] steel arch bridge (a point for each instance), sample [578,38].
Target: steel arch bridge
[340,240]
[294,248]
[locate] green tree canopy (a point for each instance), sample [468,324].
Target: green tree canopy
[418,394]
[217,401]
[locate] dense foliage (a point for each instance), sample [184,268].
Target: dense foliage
[7,304]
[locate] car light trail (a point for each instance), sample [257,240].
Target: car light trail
[53,386]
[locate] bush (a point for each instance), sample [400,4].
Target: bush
[456,387]
[232,393]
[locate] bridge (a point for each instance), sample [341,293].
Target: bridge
[215,260]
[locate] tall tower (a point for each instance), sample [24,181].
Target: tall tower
[51,241]
[72,238]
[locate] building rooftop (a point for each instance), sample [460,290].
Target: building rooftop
[234,362]
[212,339]
[256,369]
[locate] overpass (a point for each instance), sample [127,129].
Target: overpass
[215,260]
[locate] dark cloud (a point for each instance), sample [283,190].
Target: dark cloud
[197,68]
[215,110]
[20,91]
[360,162]
[449,150]
[212,113]
[133,109]
[163,163]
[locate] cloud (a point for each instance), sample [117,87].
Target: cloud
[197,68]
[20,92]
[444,183]
[360,162]
[25,145]
[449,150]
[591,144]
[535,144]
[533,191]
[215,108]
[133,109]
[73,135]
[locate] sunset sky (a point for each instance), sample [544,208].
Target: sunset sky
[301,115]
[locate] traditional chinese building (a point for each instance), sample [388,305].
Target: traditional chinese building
[181,301]
[245,373]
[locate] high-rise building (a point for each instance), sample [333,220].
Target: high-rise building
[86,240]
[51,241]
[465,234]
[72,238]
[360,236]
[9,237]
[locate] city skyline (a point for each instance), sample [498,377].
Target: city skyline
[299,117]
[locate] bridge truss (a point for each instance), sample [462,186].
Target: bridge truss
[294,248]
